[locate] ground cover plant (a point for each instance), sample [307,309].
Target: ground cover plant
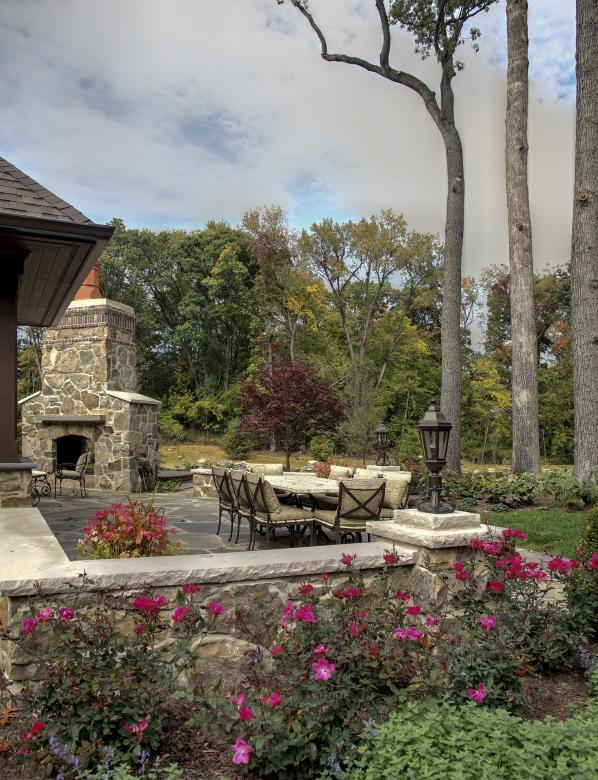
[325,672]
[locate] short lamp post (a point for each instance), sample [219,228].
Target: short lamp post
[434,431]
[382,440]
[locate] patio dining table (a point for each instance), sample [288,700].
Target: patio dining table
[304,484]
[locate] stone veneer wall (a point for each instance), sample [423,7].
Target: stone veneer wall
[14,486]
[88,360]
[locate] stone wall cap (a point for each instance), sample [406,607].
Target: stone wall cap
[28,543]
[133,398]
[29,397]
[134,573]
[22,465]
[202,471]
[91,302]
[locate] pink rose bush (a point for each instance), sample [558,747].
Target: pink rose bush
[130,530]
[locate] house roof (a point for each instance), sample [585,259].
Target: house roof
[20,194]
[52,244]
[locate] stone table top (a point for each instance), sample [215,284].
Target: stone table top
[304,484]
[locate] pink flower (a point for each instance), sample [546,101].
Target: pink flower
[180,614]
[47,613]
[355,629]
[140,628]
[288,613]
[593,562]
[414,610]
[322,669]
[352,592]
[320,650]
[305,614]
[432,620]
[190,587]
[238,700]
[274,699]
[28,625]
[400,596]
[139,728]
[492,548]
[494,586]
[562,565]
[462,575]
[488,623]
[391,558]
[476,542]
[246,713]
[347,559]
[150,606]
[514,534]
[276,650]
[478,694]
[36,727]
[242,751]
[325,576]
[305,590]
[215,608]
[66,613]
[412,634]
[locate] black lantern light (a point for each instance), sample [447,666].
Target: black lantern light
[434,431]
[382,439]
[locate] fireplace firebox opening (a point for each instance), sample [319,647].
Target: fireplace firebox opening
[68,449]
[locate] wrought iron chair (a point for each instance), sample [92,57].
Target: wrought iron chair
[269,514]
[227,500]
[74,472]
[244,507]
[359,502]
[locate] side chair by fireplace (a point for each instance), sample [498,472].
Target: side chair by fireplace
[74,472]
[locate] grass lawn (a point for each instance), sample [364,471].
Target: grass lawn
[551,531]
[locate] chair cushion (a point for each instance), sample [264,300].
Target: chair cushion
[272,469]
[286,514]
[324,501]
[395,494]
[68,474]
[341,472]
[327,518]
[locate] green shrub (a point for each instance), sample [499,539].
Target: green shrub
[409,447]
[321,447]
[236,442]
[169,427]
[427,741]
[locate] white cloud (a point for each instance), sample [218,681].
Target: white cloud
[168,114]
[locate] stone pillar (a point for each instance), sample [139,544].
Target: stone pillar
[437,541]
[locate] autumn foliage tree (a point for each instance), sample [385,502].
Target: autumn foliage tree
[289,402]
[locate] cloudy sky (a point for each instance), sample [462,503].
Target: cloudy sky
[171,113]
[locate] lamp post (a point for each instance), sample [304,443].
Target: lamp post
[434,431]
[382,439]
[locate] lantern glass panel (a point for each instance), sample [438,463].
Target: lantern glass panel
[443,437]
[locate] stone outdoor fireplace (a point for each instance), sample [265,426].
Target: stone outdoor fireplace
[88,399]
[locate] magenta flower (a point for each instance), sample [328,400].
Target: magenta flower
[593,562]
[276,650]
[347,559]
[322,669]
[414,634]
[352,592]
[238,700]
[288,613]
[179,614]
[391,558]
[494,586]
[274,699]
[432,620]
[246,713]
[28,625]
[477,694]
[414,610]
[47,613]
[492,548]
[488,623]
[400,596]
[305,590]
[150,606]
[355,628]
[140,628]
[215,608]
[476,542]
[320,650]
[36,728]
[514,534]
[190,587]
[242,751]
[305,614]
[562,565]
[66,613]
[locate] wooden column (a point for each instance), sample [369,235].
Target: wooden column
[9,277]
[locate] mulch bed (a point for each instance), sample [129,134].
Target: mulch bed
[558,696]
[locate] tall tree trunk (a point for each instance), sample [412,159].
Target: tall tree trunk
[450,326]
[526,436]
[584,257]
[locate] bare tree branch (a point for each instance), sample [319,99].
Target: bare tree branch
[385,52]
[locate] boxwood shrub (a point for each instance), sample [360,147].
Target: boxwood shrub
[439,741]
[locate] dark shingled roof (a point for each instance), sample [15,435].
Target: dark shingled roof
[20,194]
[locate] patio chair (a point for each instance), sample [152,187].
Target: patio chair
[359,502]
[396,495]
[227,500]
[269,513]
[74,472]
[244,507]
